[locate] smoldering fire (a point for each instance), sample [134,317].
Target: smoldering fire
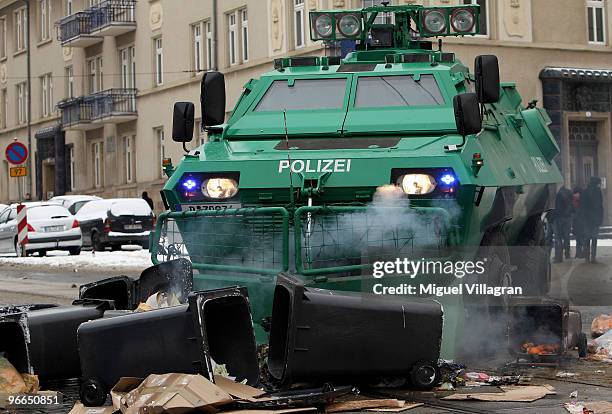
[431,289]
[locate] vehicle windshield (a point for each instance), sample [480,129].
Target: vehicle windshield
[385,91]
[47,212]
[302,94]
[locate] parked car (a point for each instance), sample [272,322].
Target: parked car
[115,222]
[2,207]
[74,202]
[50,227]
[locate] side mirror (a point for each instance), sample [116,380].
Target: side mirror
[182,121]
[212,98]
[467,114]
[486,69]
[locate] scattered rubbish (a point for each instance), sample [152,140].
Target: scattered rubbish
[599,407]
[566,374]
[601,348]
[406,407]
[511,393]
[237,389]
[476,376]
[383,322]
[451,371]
[446,386]
[357,405]
[11,381]
[573,396]
[170,393]
[81,409]
[600,325]
[32,383]
[600,371]
[113,348]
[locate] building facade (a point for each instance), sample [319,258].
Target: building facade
[105,75]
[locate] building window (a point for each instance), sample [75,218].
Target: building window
[69,7]
[198,47]
[161,145]
[597,29]
[22,99]
[46,82]
[210,57]
[96,74]
[232,38]
[69,82]
[159,62]
[72,168]
[3,108]
[199,135]
[381,18]
[97,161]
[484,15]
[128,144]
[298,22]
[128,67]
[21,30]
[3,41]
[45,19]
[244,24]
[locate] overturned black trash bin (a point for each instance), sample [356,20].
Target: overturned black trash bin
[14,336]
[215,326]
[50,331]
[321,335]
[175,276]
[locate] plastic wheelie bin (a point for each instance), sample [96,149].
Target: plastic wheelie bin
[175,276]
[321,335]
[50,336]
[215,326]
[13,337]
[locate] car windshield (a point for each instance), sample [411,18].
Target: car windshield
[47,212]
[385,91]
[94,209]
[302,94]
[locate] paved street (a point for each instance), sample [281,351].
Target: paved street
[588,286]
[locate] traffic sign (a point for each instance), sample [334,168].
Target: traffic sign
[19,171]
[16,153]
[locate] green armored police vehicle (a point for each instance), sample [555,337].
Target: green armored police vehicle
[348,172]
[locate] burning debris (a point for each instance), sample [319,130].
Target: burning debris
[541,349]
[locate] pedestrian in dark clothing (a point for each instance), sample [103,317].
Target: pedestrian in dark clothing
[145,197]
[592,214]
[578,222]
[562,223]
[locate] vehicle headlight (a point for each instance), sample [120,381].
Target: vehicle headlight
[324,25]
[434,21]
[220,188]
[463,20]
[417,184]
[349,25]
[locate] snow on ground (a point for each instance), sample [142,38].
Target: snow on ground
[128,259]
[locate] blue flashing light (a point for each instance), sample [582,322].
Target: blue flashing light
[448,179]
[189,184]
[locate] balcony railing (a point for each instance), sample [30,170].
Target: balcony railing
[109,18]
[114,103]
[76,113]
[89,112]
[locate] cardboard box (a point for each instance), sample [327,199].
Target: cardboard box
[81,409]
[121,389]
[173,394]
